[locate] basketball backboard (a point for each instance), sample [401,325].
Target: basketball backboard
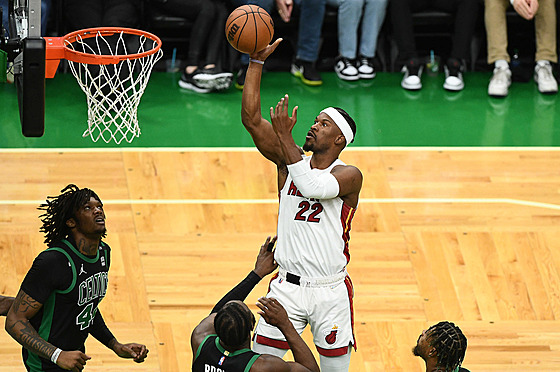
[25,48]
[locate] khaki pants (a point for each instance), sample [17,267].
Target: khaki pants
[496,30]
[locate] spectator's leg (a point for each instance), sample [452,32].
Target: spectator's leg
[374,15]
[496,29]
[545,30]
[310,25]
[349,14]
[466,12]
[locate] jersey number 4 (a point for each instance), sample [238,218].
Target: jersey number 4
[85,318]
[315,209]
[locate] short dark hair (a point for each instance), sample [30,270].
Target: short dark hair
[450,344]
[233,324]
[59,209]
[349,119]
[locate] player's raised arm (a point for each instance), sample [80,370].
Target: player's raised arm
[260,129]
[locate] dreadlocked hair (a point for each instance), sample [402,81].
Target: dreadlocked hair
[233,324]
[59,209]
[450,344]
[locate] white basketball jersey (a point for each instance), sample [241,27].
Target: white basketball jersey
[313,234]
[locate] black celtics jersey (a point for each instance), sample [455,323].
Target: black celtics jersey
[212,357]
[70,286]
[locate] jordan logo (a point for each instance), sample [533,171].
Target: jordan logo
[82,271]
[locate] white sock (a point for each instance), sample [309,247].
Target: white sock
[501,63]
[543,62]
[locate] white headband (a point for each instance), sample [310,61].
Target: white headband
[341,123]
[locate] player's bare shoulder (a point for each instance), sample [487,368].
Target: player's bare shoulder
[349,174]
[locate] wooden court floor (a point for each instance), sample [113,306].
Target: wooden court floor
[466,235]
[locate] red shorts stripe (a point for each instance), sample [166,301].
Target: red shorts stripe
[332,352]
[272,342]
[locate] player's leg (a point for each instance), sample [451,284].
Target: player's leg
[268,339]
[331,321]
[337,363]
[270,350]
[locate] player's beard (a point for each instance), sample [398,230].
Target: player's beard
[416,351]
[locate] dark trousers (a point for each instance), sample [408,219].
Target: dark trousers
[465,13]
[206,41]
[80,14]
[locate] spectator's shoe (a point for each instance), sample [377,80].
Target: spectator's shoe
[545,79]
[187,82]
[240,79]
[500,82]
[412,72]
[453,75]
[365,68]
[213,79]
[307,72]
[345,69]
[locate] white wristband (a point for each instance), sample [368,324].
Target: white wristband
[54,356]
[256,61]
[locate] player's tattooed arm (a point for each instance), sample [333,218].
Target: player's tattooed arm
[5,304]
[19,327]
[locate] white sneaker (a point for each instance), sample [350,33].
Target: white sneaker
[453,75]
[365,68]
[411,79]
[345,69]
[544,78]
[500,82]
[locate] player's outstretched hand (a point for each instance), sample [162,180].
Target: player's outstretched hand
[273,312]
[137,352]
[263,54]
[72,360]
[265,260]
[280,117]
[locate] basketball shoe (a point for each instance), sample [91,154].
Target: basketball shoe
[307,72]
[187,82]
[346,69]
[213,78]
[412,71]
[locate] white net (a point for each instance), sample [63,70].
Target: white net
[114,91]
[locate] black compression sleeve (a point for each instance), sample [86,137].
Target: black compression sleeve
[240,292]
[100,331]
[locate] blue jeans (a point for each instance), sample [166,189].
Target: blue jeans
[311,17]
[349,14]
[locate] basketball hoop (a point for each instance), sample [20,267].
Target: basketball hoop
[112,77]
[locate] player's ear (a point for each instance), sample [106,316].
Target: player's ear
[71,223]
[432,352]
[340,140]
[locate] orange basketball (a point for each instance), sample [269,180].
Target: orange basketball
[249,29]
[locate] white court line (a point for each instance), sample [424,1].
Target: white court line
[275,201]
[253,149]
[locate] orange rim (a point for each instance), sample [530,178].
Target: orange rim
[81,57]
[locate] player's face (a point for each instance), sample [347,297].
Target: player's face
[90,217]
[422,346]
[322,134]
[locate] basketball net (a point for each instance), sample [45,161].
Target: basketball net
[114,89]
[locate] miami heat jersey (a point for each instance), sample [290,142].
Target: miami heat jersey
[313,234]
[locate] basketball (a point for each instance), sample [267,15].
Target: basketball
[249,29]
